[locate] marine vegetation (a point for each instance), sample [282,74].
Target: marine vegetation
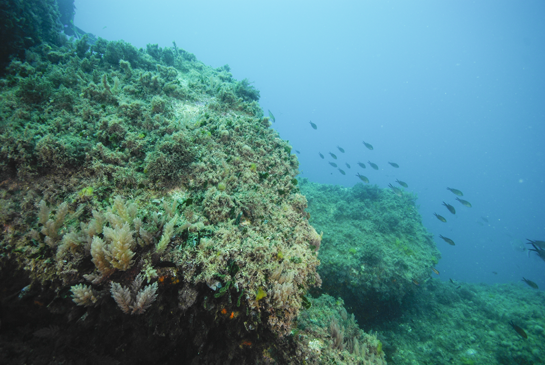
[144,195]
[473,324]
[373,247]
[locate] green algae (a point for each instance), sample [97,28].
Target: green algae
[374,245]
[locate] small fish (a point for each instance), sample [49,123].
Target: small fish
[313,125]
[441,218]
[530,283]
[435,270]
[340,149]
[495,273]
[539,251]
[322,156]
[397,191]
[333,164]
[519,330]
[394,164]
[372,165]
[368,145]
[348,165]
[450,208]
[484,219]
[363,178]
[540,244]
[452,281]
[416,283]
[447,240]
[342,172]
[298,152]
[458,287]
[362,165]
[332,155]
[456,191]
[271,116]
[402,183]
[464,202]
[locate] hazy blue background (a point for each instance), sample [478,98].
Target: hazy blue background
[453,91]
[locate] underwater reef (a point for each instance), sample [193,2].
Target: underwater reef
[146,203]
[467,324]
[375,250]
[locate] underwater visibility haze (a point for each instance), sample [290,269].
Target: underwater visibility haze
[352,182]
[450,91]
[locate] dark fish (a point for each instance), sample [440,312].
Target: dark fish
[348,165]
[271,116]
[313,125]
[298,152]
[456,191]
[435,270]
[363,178]
[450,208]
[333,164]
[540,244]
[368,145]
[484,219]
[464,202]
[340,149]
[342,172]
[402,183]
[441,218]
[373,165]
[519,330]
[447,240]
[540,252]
[458,287]
[452,281]
[322,156]
[397,191]
[362,165]
[394,164]
[495,273]
[530,283]
[416,283]
[332,155]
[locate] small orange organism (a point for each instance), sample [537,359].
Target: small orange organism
[224,311]
[245,343]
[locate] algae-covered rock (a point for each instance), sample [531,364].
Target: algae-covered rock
[374,248]
[149,211]
[328,334]
[466,323]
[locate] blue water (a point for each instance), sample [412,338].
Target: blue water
[454,92]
